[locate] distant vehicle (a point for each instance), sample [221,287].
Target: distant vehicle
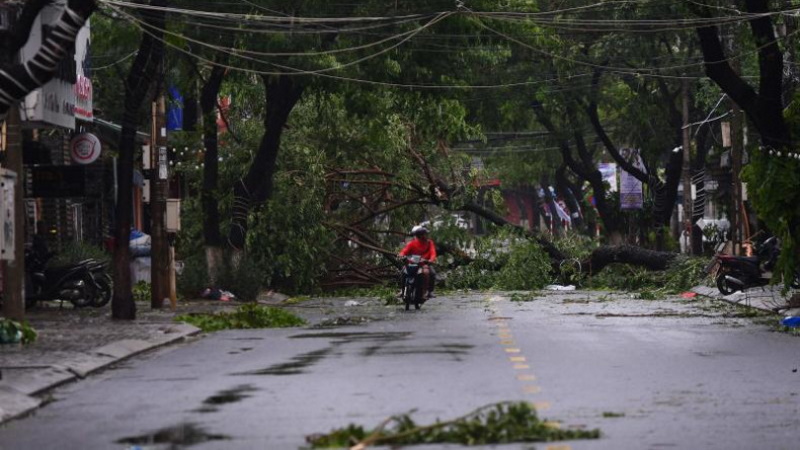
[737,273]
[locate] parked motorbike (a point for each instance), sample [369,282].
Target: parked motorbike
[737,273]
[414,281]
[85,283]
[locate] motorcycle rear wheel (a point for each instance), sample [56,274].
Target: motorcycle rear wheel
[726,287]
[102,296]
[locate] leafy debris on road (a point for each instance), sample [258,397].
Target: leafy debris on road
[523,296]
[250,315]
[12,332]
[498,423]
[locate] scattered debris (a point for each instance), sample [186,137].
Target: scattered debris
[791,321]
[498,423]
[352,303]
[558,287]
[344,321]
[217,294]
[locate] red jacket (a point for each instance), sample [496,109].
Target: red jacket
[416,247]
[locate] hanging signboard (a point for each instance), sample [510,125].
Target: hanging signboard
[85,148]
[630,188]
[7,228]
[69,94]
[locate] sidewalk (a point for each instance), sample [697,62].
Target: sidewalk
[766,298]
[73,343]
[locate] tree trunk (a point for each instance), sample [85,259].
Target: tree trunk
[282,94]
[628,254]
[140,79]
[211,220]
[765,107]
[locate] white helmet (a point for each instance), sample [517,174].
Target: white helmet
[418,229]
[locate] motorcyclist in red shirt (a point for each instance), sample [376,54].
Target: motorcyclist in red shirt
[426,249]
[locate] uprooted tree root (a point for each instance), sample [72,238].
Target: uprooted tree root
[498,423]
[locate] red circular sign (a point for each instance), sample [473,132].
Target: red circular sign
[85,148]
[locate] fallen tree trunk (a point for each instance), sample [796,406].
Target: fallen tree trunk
[626,254]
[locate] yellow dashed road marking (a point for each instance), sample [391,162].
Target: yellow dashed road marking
[521,366]
[532,389]
[517,358]
[558,447]
[507,342]
[526,377]
[541,406]
[512,350]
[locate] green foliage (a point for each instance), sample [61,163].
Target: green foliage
[141,292]
[251,315]
[503,260]
[682,274]
[74,252]
[773,185]
[528,267]
[500,423]
[12,332]
[523,297]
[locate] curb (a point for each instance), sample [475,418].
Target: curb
[17,394]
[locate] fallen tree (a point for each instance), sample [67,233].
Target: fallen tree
[372,194]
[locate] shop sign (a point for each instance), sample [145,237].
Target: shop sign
[69,94]
[85,148]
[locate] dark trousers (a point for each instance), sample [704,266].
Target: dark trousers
[431,277]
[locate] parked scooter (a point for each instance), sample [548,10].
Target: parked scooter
[83,284]
[414,281]
[737,273]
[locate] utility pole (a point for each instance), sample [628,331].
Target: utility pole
[14,275]
[687,172]
[737,148]
[159,250]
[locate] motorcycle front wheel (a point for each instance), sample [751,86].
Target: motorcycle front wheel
[725,287]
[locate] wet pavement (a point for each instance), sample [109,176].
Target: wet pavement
[673,373]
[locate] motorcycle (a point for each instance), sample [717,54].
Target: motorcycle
[85,283]
[737,273]
[414,281]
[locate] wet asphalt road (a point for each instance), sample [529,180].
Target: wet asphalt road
[649,374]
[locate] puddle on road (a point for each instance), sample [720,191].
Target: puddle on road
[178,436]
[339,338]
[240,351]
[456,351]
[295,366]
[232,395]
[300,363]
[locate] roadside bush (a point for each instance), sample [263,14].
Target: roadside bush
[245,280]
[72,252]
